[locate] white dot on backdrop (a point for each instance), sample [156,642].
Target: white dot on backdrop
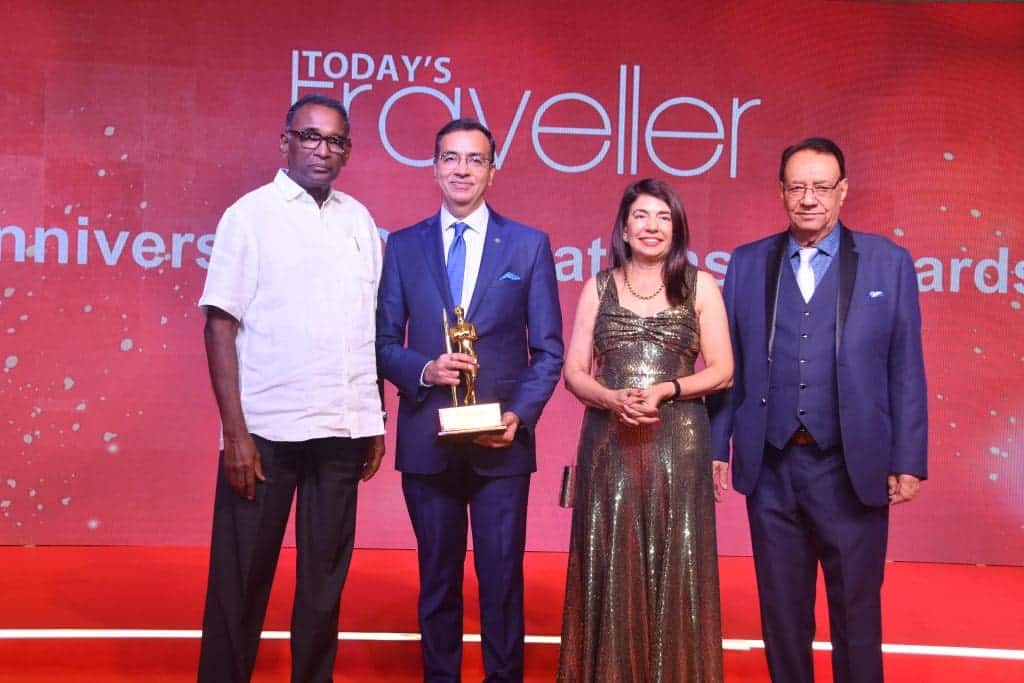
[993,476]
[102,172]
[93,524]
[10,362]
[75,427]
[143,204]
[898,232]
[948,156]
[66,500]
[977,349]
[127,344]
[9,292]
[68,383]
[87,308]
[943,208]
[975,213]
[1015,305]
[109,131]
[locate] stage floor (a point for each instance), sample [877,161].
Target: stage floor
[113,614]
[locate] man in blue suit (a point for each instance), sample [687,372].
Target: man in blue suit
[502,274]
[827,415]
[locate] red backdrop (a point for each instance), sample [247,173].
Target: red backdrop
[127,131]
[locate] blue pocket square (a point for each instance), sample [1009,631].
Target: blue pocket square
[876,294]
[509,275]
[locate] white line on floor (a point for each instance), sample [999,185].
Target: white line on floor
[728,643]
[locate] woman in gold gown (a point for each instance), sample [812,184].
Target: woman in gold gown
[642,599]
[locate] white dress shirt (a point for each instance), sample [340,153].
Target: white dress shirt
[301,279]
[474,236]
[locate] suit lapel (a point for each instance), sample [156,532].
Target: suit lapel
[494,248]
[773,262]
[433,255]
[847,276]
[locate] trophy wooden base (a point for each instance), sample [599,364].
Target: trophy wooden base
[481,418]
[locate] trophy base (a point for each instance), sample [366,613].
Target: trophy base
[481,418]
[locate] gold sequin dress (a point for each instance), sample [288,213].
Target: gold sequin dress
[642,601]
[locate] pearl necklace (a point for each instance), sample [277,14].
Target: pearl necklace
[625,278]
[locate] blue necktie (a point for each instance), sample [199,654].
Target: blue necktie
[457,263]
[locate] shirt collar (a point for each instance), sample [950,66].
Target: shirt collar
[292,190]
[829,244]
[476,221]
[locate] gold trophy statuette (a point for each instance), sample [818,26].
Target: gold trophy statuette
[470,418]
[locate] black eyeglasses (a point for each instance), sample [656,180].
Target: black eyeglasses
[310,139]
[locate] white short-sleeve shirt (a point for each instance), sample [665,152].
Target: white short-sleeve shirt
[301,279]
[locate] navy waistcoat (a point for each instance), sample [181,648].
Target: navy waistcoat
[802,382]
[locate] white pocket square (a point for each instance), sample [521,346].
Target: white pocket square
[876,294]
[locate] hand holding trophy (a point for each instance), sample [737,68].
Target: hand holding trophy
[470,418]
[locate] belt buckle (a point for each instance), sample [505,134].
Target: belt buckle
[802,437]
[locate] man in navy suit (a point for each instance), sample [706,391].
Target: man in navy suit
[502,274]
[827,415]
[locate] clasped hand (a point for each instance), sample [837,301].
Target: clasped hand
[635,407]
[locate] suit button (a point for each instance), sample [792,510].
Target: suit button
[807,314]
[803,361]
[764,401]
[802,385]
[804,335]
[801,412]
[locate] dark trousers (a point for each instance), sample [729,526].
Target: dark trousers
[437,506]
[247,541]
[805,511]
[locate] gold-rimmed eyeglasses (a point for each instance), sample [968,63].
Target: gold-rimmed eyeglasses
[819,190]
[476,162]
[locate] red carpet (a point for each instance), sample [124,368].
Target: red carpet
[162,588]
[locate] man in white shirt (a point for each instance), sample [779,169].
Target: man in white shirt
[289,301]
